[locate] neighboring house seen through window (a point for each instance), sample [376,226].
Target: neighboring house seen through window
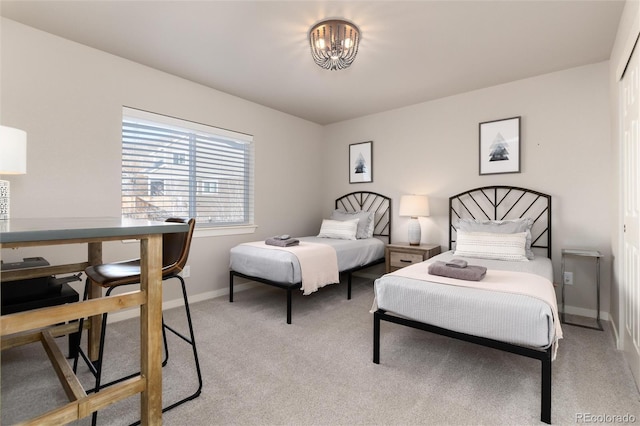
[177,168]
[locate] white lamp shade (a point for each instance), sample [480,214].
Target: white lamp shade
[414,205]
[13,151]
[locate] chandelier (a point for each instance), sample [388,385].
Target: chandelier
[334,43]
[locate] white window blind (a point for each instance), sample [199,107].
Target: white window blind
[177,168]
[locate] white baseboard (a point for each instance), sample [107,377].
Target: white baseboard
[169,304]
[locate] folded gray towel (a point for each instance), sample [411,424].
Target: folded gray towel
[470,273]
[457,263]
[282,243]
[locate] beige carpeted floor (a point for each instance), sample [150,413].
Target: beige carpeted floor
[318,370]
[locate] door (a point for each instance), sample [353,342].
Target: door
[630,288]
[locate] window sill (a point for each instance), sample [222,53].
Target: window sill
[217,232]
[224,230]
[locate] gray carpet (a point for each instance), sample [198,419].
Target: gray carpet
[318,370]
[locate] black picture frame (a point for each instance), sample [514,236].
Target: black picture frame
[499,150]
[361,162]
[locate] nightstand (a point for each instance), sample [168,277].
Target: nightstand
[399,255]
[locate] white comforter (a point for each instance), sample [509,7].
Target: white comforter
[283,267]
[507,317]
[318,263]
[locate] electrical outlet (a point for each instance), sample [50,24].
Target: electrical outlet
[186,272]
[568,278]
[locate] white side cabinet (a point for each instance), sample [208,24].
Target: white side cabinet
[595,255]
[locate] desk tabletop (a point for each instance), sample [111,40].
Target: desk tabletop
[19,230]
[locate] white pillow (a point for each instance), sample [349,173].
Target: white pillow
[496,246]
[511,226]
[365,226]
[339,229]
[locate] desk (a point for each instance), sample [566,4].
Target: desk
[18,328]
[594,254]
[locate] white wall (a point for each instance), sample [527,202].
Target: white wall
[432,148]
[69,98]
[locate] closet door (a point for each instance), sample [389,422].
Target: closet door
[630,291]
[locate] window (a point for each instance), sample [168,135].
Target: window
[177,168]
[156,187]
[207,186]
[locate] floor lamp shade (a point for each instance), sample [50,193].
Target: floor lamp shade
[13,151]
[414,206]
[13,161]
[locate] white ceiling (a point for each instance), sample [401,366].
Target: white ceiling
[410,52]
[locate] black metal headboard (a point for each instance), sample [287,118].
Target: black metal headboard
[504,203]
[366,201]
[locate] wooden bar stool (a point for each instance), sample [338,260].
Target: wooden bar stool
[175,251]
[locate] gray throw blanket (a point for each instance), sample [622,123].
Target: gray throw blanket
[282,243]
[468,273]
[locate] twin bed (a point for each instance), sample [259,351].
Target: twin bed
[500,227]
[281,268]
[508,319]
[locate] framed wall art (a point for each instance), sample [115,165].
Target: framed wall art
[361,162]
[500,146]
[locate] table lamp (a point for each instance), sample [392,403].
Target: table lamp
[13,161]
[414,206]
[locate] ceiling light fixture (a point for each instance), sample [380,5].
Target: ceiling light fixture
[334,43]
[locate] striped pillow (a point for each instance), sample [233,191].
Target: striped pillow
[494,246]
[365,226]
[510,226]
[340,229]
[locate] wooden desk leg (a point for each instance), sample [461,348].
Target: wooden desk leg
[151,329]
[95,258]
